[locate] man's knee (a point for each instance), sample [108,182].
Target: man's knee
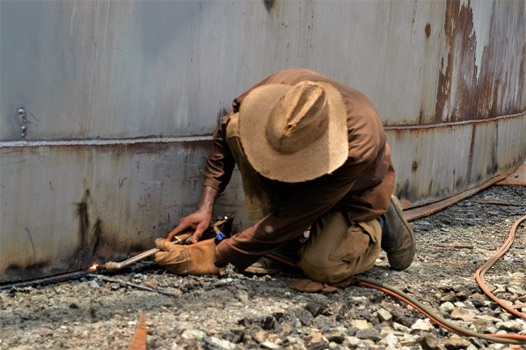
[349,253]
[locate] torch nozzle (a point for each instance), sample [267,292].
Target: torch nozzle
[113,266]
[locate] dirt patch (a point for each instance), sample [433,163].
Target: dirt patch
[260,312]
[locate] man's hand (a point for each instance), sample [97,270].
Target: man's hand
[197,221]
[200,219]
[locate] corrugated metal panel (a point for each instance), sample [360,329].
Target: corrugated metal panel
[117,94]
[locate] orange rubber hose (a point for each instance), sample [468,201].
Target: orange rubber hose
[481,271]
[479,276]
[497,338]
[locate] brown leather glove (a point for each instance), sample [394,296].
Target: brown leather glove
[193,259]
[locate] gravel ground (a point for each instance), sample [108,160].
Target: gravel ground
[260,312]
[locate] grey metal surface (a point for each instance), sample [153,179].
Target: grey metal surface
[121,98]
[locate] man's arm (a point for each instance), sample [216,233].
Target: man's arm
[217,174]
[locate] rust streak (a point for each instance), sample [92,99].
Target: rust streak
[453,91]
[428,30]
[468,89]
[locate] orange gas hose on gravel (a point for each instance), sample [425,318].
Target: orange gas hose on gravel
[481,271]
[479,276]
[450,326]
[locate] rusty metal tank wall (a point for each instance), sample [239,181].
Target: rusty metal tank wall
[107,107]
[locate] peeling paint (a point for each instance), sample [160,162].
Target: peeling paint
[478,76]
[482,11]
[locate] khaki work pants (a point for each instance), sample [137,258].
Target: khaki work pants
[336,248]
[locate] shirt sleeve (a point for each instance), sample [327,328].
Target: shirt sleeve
[220,163]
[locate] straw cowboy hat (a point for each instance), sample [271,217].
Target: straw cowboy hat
[294,133]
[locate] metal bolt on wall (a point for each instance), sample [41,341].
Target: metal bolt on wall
[22,120]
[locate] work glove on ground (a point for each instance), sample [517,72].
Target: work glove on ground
[192,259]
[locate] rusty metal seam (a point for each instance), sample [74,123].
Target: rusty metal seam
[102,142]
[450,124]
[150,140]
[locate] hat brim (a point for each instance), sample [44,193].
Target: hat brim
[319,157]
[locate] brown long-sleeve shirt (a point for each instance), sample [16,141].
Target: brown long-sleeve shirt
[361,188]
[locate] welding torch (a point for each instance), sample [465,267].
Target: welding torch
[185,238]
